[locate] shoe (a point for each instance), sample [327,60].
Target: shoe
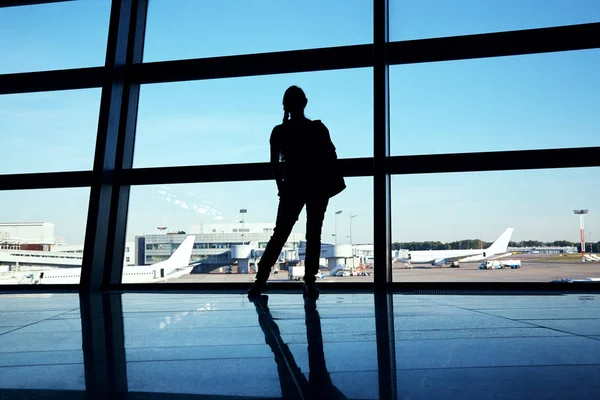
[310,290]
[257,288]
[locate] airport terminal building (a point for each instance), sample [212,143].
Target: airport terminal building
[218,246]
[213,244]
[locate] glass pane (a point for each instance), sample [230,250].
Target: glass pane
[463,218]
[230,224]
[436,18]
[218,354]
[181,29]
[41,235]
[509,103]
[202,335]
[49,131]
[68,34]
[40,344]
[229,121]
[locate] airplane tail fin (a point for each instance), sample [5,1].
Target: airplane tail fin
[180,258]
[501,244]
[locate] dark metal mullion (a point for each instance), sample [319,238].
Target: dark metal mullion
[18,3]
[45,81]
[497,44]
[345,287]
[384,321]
[46,180]
[99,239]
[381,147]
[352,167]
[496,161]
[126,142]
[355,167]
[281,62]
[103,343]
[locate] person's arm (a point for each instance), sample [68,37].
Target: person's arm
[275,157]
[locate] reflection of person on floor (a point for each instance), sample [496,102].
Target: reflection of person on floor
[292,380]
[304,164]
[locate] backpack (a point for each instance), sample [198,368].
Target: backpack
[309,160]
[333,180]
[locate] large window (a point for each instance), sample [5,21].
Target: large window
[451,226]
[509,103]
[140,129]
[410,19]
[41,236]
[167,135]
[49,131]
[229,121]
[58,35]
[181,29]
[231,223]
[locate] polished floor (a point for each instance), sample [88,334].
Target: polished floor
[223,346]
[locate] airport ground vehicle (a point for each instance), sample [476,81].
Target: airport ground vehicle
[296,273]
[341,270]
[490,264]
[512,264]
[500,264]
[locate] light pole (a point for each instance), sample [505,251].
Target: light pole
[581,213]
[335,221]
[351,216]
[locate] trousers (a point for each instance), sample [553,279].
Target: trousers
[288,211]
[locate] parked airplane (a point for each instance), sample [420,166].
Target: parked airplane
[440,257]
[174,267]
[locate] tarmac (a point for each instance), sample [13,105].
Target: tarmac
[534,268]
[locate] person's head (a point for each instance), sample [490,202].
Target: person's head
[294,101]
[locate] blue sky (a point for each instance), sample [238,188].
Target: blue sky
[528,102]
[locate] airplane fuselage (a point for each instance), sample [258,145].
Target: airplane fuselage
[72,276]
[431,256]
[40,267]
[439,257]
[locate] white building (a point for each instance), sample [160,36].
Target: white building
[33,244]
[27,235]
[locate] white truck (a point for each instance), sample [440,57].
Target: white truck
[490,264]
[500,264]
[512,264]
[296,273]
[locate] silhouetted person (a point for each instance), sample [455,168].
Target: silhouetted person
[304,164]
[290,375]
[319,384]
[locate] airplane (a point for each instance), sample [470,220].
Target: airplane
[174,267]
[440,257]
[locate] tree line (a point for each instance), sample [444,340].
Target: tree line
[480,244]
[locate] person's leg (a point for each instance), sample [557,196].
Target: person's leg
[315,213]
[287,215]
